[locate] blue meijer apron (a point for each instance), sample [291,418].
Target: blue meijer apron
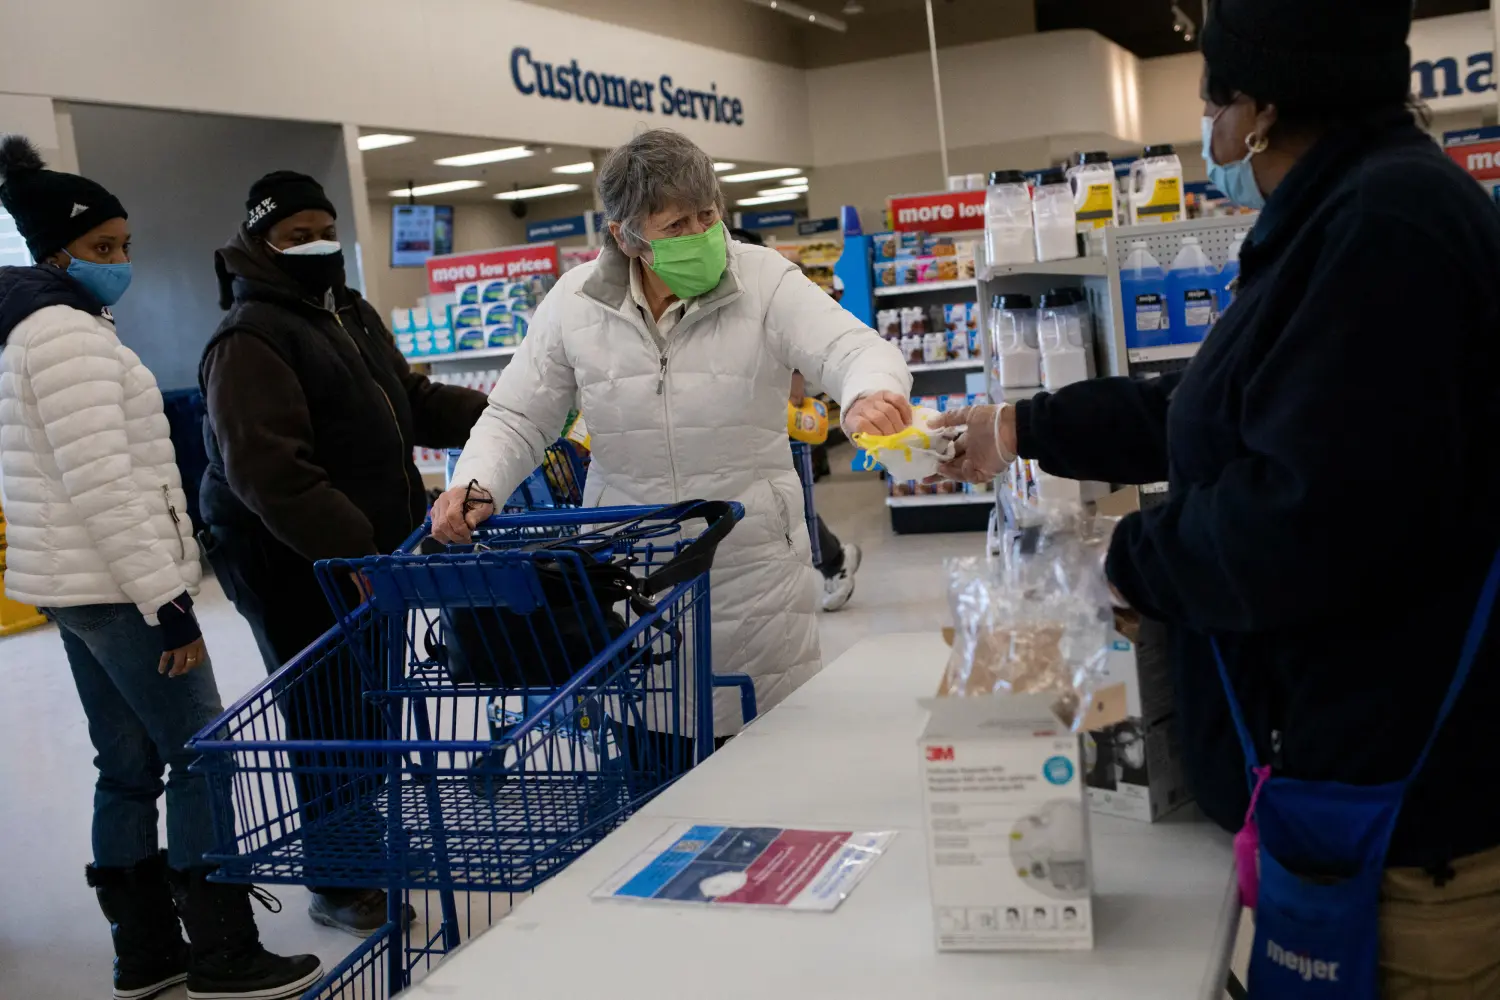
[1322,858]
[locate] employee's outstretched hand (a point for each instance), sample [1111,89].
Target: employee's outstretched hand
[987,445]
[459,511]
[878,413]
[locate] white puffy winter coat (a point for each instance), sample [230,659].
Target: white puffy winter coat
[699,414]
[93,499]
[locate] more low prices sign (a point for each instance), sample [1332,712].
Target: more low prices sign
[510,263]
[1477,151]
[948,212]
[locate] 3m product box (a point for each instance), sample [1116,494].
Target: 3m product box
[1007,827]
[1132,756]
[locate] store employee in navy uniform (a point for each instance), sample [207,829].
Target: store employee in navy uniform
[312,417]
[1333,467]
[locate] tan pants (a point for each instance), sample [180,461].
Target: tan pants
[1442,943]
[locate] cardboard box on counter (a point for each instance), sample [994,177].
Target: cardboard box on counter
[1132,757]
[1007,831]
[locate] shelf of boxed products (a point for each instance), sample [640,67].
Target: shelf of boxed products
[967,285]
[941,499]
[1078,267]
[1166,352]
[474,355]
[972,364]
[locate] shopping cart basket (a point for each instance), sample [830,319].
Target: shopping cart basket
[417,791]
[557,482]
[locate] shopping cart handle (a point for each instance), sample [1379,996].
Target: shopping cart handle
[747,693]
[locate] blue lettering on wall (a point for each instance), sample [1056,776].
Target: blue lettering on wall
[569,82]
[1437,78]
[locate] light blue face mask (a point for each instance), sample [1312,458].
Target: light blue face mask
[1237,179]
[107,282]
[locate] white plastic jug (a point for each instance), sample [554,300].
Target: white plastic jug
[1052,212]
[1231,272]
[1016,358]
[1059,330]
[1093,182]
[1156,186]
[1008,237]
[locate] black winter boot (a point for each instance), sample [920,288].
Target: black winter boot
[227,960]
[150,955]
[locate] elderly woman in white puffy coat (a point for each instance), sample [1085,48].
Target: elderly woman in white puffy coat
[679,346]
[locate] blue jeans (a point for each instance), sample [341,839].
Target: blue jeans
[139,722]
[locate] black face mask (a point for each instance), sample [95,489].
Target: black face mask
[316,273]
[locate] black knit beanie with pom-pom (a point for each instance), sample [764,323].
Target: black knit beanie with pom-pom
[51,208]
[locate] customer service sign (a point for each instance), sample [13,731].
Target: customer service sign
[556,80]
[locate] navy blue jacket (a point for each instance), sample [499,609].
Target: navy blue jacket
[1335,482]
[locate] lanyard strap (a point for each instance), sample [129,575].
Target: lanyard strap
[1479,624]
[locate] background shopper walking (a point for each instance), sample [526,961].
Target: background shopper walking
[1340,618]
[101,540]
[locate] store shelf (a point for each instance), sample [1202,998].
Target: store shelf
[1084,267]
[483,352]
[973,364]
[941,500]
[1015,395]
[926,286]
[1167,352]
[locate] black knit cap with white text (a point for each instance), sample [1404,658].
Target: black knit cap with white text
[281,194]
[1311,53]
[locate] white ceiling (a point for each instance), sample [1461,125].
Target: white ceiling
[392,167]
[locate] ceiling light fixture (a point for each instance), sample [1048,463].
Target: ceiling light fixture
[583,167]
[768,199]
[802,13]
[797,189]
[853,7]
[488,156]
[537,192]
[720,166]
[443,188]
[380,140]
[762,175]
[795,182]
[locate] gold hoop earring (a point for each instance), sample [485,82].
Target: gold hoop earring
[1256,143]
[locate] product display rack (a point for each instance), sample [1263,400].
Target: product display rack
[942,512]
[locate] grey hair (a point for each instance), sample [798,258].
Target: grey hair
[657,169]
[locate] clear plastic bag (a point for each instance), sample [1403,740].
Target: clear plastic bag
[1035,617]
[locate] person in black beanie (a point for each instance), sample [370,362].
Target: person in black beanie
[1362,337]
[108,555]
[312,417]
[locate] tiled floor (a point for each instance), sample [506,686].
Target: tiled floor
[53,941]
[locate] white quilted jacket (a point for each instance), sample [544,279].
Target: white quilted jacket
[93,499]
[699,414]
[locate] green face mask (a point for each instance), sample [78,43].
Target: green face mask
[690,265]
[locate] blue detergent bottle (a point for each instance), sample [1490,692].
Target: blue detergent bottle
[1193,285]
[1143,293]
[1231,271]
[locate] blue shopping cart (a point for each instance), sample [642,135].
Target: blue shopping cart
[557,482]
[599,618]
[802,460]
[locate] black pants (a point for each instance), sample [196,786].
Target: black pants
[830,548]
[277,594]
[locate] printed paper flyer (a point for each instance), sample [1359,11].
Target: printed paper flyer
[812,870]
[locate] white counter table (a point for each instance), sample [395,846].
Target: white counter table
[841,753]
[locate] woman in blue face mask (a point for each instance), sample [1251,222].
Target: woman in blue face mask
[1352,632]
[100,539]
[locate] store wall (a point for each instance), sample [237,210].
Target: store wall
[183,178]
[424,65]
[477,226]
[1012,90]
